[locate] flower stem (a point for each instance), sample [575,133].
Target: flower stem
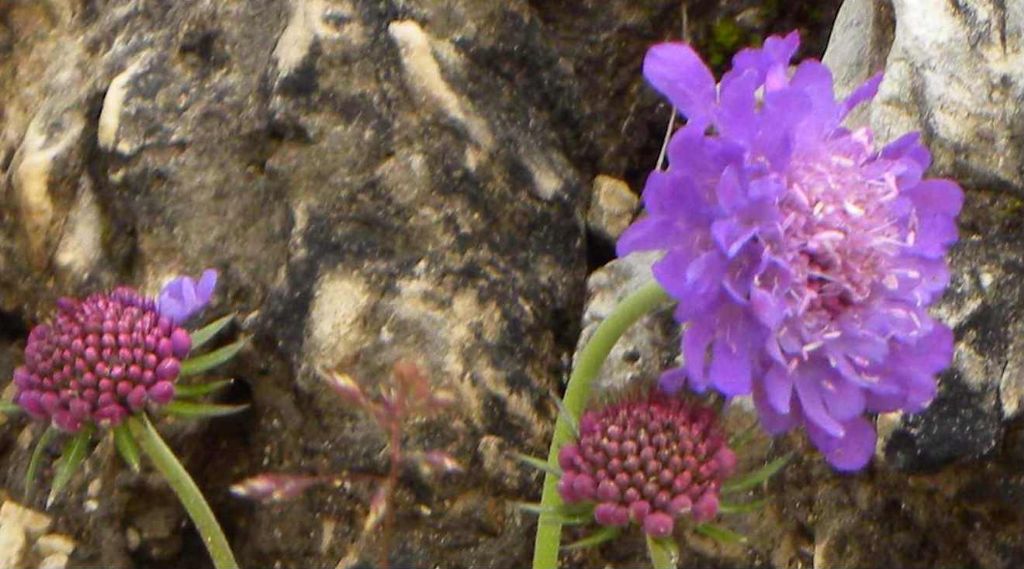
[631,309]
[183,485]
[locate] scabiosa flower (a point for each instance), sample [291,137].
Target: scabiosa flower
[649,460]
[102,359]
[803,259]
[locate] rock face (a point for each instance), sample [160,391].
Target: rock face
[369,193]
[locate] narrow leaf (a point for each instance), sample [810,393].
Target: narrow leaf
[720,534]
[205,362]
[539,464]
[746,508]
[755,478]
[127,447]
[534,508]
[602,535]
[37,459]
[740,440]
[71,458]
[201,389]
[8,408]
[192,409]
[664,552]
[206,333]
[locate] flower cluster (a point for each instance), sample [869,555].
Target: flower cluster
[106,357]
[649,461]
[803,259]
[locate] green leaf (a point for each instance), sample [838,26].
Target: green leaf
[746,508]
[755,478]
[37,459]
[127,447]
[8,408]
[200,389]
[206,333]
[602,535]
[192,409]
[720,534]
[70,459]
[539,464]
[534,508]
[740,440]
[664,552]
[205,362]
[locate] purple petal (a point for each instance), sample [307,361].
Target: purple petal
[783,111]
[692,277]
[935,233]
[769,61]
[207,282]
[696,340]
[851,452]
[650,233]
[674,194]
[671,381]
[180,298]
[808,388]
[736,117]
[766,307]
[730,191]
[774,423]
[731,235]
[815,81]
[936,197]
[677,72]
[778,389]
[843,399]
[865,92]
[908,147]
[730,371]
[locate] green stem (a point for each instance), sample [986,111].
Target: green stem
[183,485]
[661,555]
[631,309]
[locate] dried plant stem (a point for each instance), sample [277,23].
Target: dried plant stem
[191,498]
[631,309]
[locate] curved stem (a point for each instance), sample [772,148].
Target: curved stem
[631,309]
[183,485]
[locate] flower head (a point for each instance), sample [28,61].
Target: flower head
[102,359]
[803,258]
[183,296]
[649,461]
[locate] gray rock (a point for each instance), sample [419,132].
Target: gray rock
[952,72]
[612,205]
[647,347]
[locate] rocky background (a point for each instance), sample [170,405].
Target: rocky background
[436,181]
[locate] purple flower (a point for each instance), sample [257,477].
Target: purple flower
[183,297]
[648,461]
[100,360]
[803,259]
